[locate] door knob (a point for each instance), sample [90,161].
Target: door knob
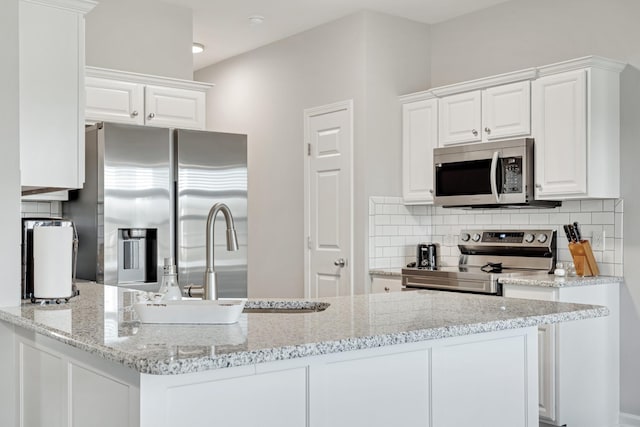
[151,115]
[474,132]
[340,262]
[134,113]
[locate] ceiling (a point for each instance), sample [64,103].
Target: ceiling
[224,28]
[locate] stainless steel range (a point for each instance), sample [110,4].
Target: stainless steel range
[487,255]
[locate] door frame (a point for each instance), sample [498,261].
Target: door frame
[307,114]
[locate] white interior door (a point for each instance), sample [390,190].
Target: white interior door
[328,200]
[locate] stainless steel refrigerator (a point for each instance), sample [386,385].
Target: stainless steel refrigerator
[146,197]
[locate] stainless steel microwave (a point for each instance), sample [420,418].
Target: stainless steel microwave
[484,175]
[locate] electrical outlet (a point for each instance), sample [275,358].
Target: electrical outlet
[597,240]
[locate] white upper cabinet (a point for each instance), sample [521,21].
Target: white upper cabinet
[51,50]
[419,138]
[114,101]
[124,97]
[576,126]
[460,118]
[497,112]
[170,107]
[506,111]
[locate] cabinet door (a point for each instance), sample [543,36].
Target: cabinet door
[419,138]
[374,391]
[171,107]
[547,372]
[506,111]
[51,129]
[460,118]
[43,388]
[385,284]
[114,101]
[546,348]
[560,131]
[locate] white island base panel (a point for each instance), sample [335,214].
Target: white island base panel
[487,379]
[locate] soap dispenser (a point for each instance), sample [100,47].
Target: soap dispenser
[169,289]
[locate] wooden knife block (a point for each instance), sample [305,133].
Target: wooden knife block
[583,259]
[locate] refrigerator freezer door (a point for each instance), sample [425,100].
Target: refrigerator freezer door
[211,168]
[137,196]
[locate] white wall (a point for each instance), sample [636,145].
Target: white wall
[10,172]
[523,33]
[141,36]
[397,62]
[365,57]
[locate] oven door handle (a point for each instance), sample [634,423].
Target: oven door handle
[493,174]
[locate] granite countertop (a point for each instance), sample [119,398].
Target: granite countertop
[102,322]
[551,281]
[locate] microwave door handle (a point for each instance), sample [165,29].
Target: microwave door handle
[494,169]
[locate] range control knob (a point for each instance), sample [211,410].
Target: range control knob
[529,237]
[476,237]
[465,237]
[542,238]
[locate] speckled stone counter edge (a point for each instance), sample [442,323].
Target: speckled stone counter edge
[243,358]
[551,281]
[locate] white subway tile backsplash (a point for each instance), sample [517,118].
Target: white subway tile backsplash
[570,206]
[41,209]
[389,209]
[559,218]
[582,218]
[383,219]
[519,218]
[450,219]
[608,205]
[539,219]
[618,226]
[397,229]
[591,205]
[482,219]
[602,217]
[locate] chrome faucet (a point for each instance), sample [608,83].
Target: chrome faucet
[210,286]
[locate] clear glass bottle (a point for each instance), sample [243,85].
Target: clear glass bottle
[169,288]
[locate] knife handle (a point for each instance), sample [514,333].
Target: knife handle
[572,232]
[568,233]
[576,228]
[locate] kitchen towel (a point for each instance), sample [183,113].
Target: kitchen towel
[52,262]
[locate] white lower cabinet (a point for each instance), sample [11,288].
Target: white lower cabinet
[122,97]
[579,367]
[484,379]
[385,284]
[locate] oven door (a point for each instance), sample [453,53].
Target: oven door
[447,281]
[482,174]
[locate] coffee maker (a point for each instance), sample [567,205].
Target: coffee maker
[426,257]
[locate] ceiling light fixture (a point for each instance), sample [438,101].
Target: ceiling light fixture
[256,19]
[197,48]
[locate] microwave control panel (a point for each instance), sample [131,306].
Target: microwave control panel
[512,175]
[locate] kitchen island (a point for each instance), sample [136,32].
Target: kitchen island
[410,358]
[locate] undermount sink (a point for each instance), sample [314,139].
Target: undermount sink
[190,311]
[284,307]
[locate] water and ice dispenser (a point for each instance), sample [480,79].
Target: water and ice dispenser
[137,255]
